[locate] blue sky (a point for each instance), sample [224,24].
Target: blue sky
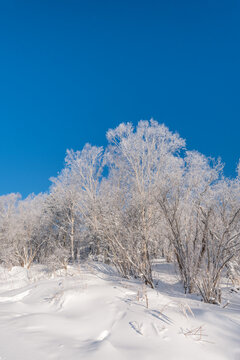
[69,70]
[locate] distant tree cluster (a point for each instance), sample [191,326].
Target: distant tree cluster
[143,197]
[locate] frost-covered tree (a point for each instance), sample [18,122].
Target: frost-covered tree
[183,203]
[72,200]
[222,237]
[8,205]
[24,240]
[138,159]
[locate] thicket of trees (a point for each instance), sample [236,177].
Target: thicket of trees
[143,197]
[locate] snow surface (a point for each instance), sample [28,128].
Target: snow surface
[92,313]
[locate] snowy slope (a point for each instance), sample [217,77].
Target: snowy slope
[91,313]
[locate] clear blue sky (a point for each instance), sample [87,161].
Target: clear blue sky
[71,69]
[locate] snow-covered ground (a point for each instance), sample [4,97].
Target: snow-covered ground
[91,313]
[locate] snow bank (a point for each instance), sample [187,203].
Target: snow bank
[91,313]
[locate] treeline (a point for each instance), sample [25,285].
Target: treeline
[143,197]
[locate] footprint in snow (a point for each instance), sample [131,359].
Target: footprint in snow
[104,334]
[136,326]
[160,331]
